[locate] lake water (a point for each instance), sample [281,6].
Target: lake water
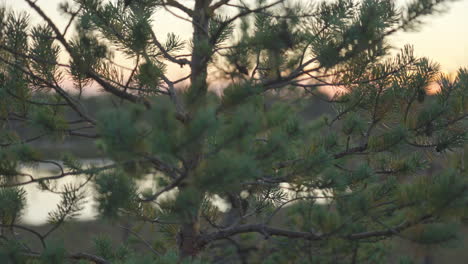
[40,203]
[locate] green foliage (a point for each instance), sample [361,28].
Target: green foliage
[50,122]
[436,233]
[123,134]
[71,162]
[267,170]
[87,56]
[353,124]
[166,130]
[388,139]
[203,125]
[10,253]
[217,28]
[237,93]
[149,75]
[54,254]
[226,169]
[12,203]
[401,165]
[405,260]
[11,156]
[70,206]
[15,29]
[115,191]
[46,52]
[105,249]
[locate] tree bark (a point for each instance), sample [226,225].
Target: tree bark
[188,239]
[201,47]
[189,233]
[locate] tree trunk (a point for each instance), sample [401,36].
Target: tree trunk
[201,47]
[188,240]
[189,233]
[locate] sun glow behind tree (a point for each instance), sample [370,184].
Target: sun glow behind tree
[442,37]
[254,145]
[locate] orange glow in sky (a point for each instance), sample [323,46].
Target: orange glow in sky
[442,37]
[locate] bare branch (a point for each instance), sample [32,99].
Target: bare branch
[169,187]
[77,256]
[147,244]
[35,233]
[218,5]
[179,6]
[258,228]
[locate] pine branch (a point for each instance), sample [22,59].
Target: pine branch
[167,188]
[224,24]
[89,72]
[71,102]
[59,176]
[166,54]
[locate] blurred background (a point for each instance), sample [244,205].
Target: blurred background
[442,37]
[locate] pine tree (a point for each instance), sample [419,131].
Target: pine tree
[299,188]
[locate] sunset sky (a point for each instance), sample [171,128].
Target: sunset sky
[443,37]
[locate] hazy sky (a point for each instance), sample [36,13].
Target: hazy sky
[443,37]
